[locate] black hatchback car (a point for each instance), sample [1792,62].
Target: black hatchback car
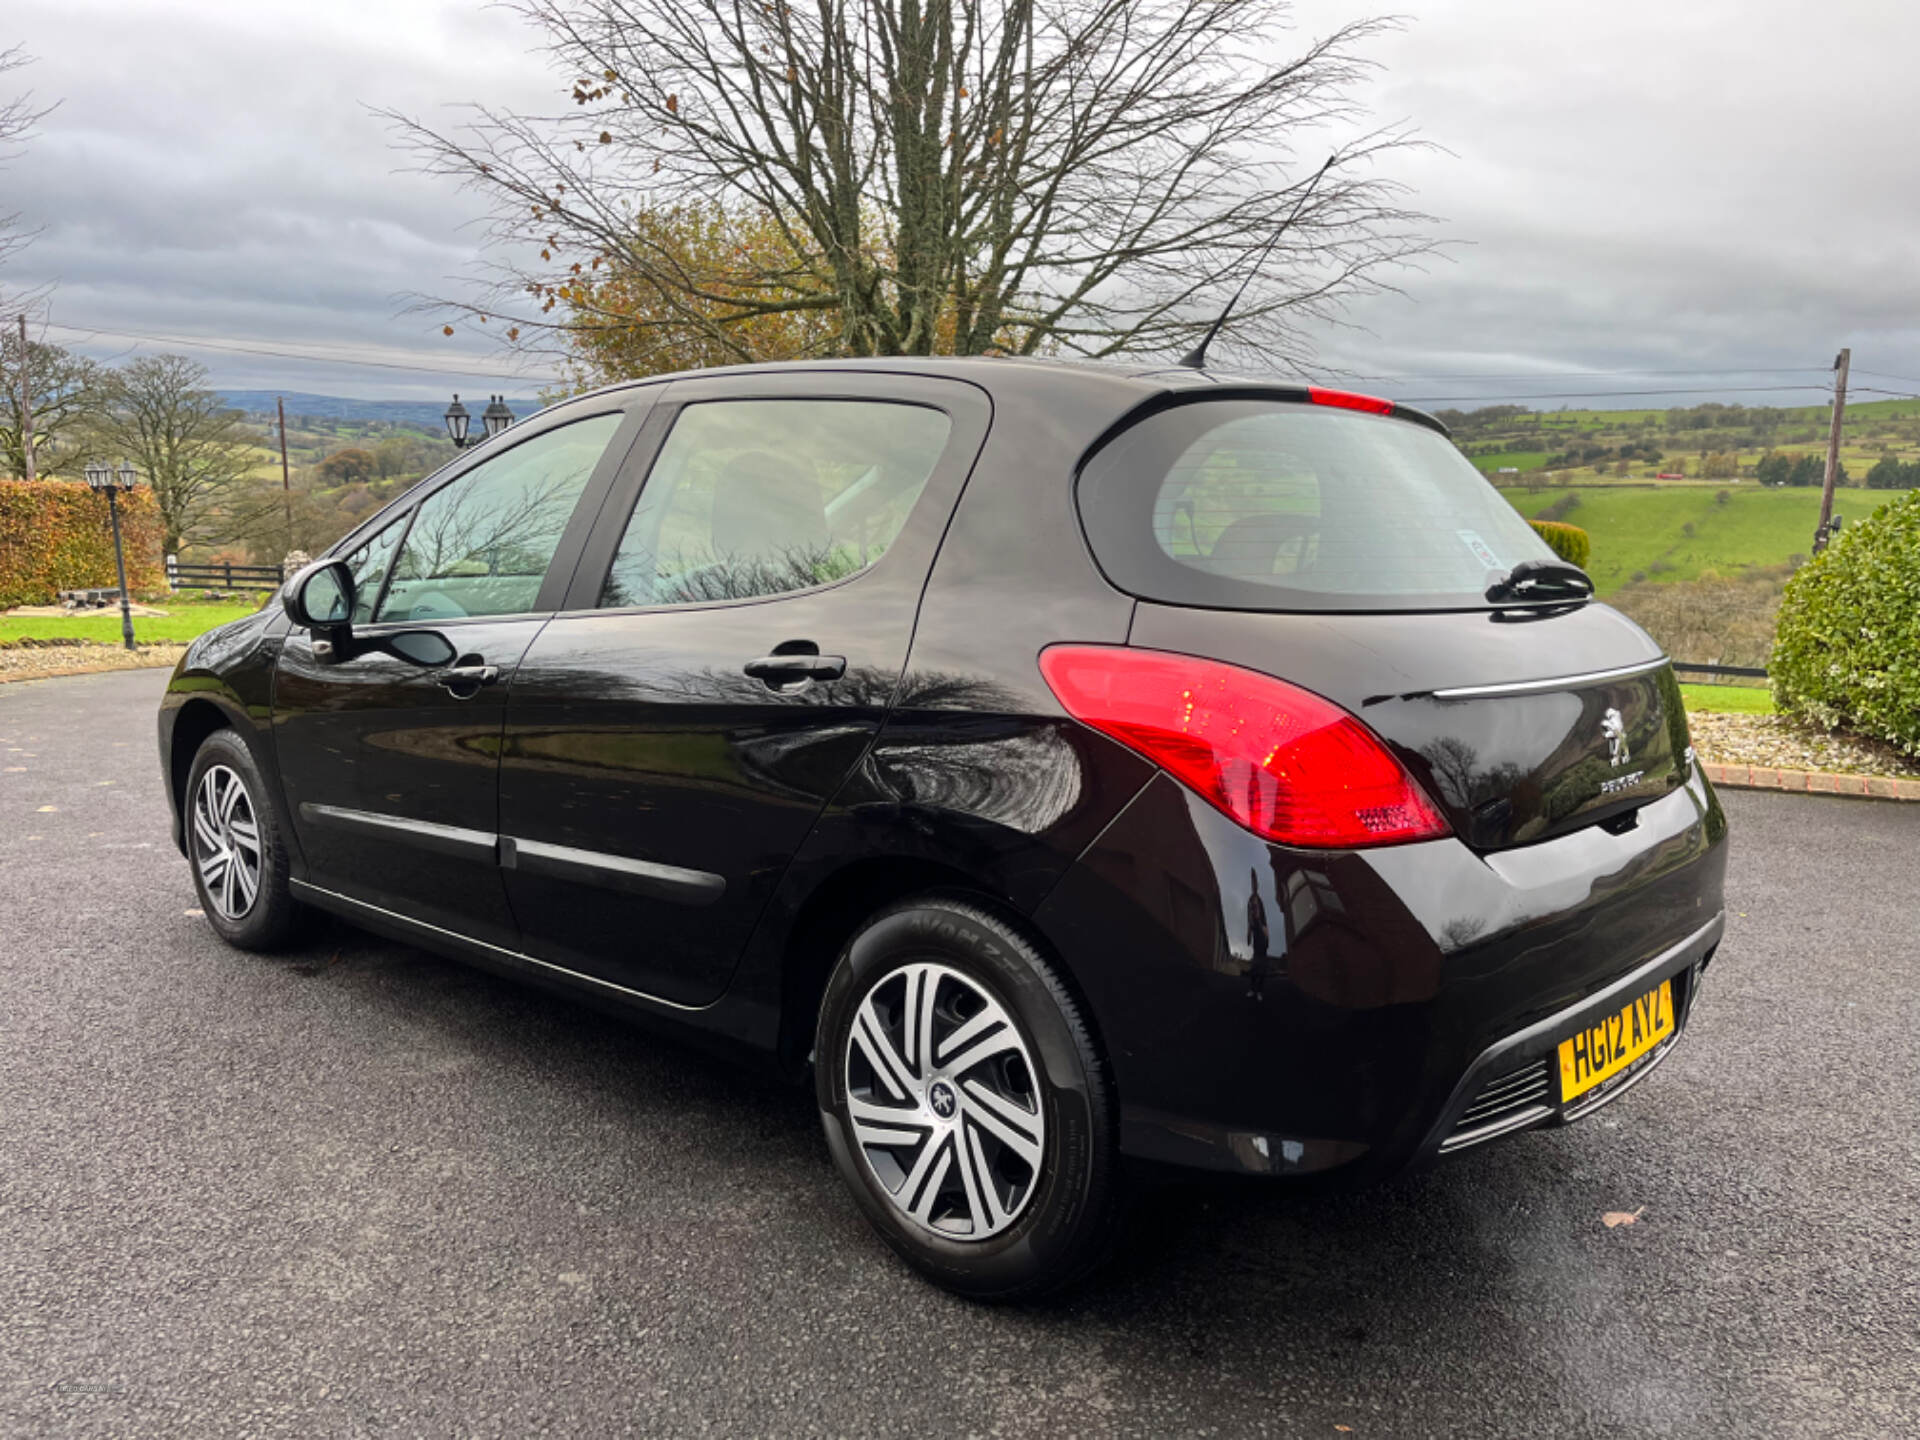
[1068,765]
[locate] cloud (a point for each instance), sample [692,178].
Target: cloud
[1651,186]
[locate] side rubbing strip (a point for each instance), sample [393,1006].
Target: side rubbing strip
[614,872]
[421,834]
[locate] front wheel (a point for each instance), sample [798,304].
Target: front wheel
[966,1103]
[234,842]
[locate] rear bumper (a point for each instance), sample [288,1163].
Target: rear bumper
[1278,1012]
[1508,1066]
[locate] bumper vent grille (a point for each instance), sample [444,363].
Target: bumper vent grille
[1506,1102]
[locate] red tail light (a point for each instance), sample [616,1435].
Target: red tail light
[1347,400]
[1286,764]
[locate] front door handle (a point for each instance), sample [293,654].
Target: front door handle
[778,670]
[465,681]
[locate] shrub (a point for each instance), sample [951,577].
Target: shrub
[1560,509]
[55,535]
[1890,474]
[1847,650]
[1569,542]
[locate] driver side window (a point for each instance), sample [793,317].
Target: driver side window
[482,545]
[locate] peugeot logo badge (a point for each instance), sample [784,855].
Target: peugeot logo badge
[941,1097]
[1615,729]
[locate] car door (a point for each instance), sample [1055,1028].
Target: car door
[390,767]
[736,630]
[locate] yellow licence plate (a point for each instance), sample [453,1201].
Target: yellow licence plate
[1604,1050]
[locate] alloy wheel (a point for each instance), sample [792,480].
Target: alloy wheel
[226,842]
[945,1107]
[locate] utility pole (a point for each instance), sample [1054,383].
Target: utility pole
[286,484]
[26,403]
[1840,364]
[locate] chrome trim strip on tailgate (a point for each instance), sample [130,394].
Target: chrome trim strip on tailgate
[1561,682]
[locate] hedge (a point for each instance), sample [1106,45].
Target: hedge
[1846,650]
[55,535]
[1569,542]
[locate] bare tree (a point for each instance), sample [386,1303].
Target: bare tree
[66,391]
[18,116]
[1079,176]
[187,443]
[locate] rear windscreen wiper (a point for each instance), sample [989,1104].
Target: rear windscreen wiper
[1542,580]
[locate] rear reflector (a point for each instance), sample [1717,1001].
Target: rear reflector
[1288,765]
[1347,400]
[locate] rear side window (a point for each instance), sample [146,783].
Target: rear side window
[752,498]
[1270,505]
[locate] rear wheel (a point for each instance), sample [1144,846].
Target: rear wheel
[966,1103]
[234,842]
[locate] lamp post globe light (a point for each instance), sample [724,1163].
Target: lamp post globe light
[102,476]
[495,418]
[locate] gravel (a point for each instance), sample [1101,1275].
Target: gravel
[1784,744]
[35,659]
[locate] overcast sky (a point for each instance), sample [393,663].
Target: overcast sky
[1660,185]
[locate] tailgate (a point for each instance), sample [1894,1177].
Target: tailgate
[1520,730]
[1518,763]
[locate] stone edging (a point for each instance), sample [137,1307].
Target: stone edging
[1817,782]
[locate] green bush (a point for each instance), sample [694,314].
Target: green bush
[1569,542]
[1847,649]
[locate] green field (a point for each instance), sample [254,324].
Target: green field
[1522,460]
[1642,530]
[184,620]
[1728,699]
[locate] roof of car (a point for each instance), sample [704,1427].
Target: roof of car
[991,372]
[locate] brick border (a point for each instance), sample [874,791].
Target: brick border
[1816,782]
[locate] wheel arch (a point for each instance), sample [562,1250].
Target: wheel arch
[196,720]
[845,900]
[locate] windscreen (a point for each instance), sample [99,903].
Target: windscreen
[1271,505]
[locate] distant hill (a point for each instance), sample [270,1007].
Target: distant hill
[426,413]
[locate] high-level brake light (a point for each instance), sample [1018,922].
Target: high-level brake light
[1288,765]
[1347,400]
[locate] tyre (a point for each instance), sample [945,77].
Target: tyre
[236,848]
[966,1102]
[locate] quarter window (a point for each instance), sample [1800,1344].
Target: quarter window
[482,545]
[369,565]
[765,497]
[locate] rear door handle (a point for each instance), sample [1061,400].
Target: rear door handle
[465,681]
[790,669]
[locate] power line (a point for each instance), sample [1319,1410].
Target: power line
[1609,394]
[239,347]
[1883,375]
[1598,374]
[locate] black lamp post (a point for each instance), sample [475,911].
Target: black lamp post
[102,476]
[496,417]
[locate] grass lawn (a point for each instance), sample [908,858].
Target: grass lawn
[1640,528]
[1728,699]
[184,620]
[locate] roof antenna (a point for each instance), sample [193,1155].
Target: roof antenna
[1196,358]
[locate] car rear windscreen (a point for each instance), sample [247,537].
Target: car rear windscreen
[1275,505]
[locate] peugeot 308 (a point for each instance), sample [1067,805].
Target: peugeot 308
[1065,766]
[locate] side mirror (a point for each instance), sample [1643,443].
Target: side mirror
[320,600]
